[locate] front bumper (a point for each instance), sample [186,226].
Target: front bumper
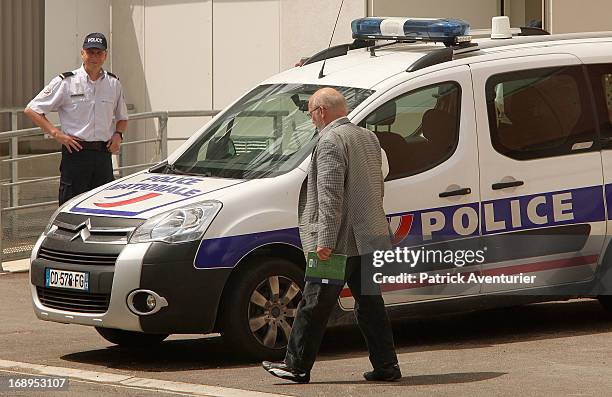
[192,295]
[115,281]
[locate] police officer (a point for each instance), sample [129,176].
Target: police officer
[93,118]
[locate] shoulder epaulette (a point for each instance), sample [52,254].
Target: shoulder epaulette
[66,74]
[112,74]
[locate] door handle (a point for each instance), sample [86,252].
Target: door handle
[457,192]
[504,185]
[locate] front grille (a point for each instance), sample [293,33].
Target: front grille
[77,258]
[73,301]
[94,236]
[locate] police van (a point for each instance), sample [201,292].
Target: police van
[501,144]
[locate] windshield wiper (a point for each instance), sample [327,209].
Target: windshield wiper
[171,169]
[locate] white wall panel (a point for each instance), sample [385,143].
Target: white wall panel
[128,49]
[246,43]
[306,26]
[576,16]
[477,12]
[66,24]
[178,59]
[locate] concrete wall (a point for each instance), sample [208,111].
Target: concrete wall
[577,16]
[306,26]
[477,12]
[204,54]
[66,24]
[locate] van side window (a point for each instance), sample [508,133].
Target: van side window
[540,113]
[601,81]
[418,130]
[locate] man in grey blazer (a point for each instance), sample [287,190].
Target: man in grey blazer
[342,212]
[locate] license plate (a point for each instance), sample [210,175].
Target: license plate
[66,279]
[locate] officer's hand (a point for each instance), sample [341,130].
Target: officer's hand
[324,253]
[114,143]
[70,142]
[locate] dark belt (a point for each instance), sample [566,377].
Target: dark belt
[100,146]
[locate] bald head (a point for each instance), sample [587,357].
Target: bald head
[332,104]
[330,99]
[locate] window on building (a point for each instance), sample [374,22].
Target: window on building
[418,130]
[540,113]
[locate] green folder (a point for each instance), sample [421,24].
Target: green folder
[330,271]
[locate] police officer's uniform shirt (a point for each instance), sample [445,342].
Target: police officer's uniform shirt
[87,109]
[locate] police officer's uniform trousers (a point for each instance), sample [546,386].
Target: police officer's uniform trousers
[84,170]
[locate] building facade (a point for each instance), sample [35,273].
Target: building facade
[203,54]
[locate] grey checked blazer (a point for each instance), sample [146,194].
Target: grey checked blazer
[342,206]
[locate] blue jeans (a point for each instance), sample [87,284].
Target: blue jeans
[317,303]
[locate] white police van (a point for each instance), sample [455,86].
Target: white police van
[497,144]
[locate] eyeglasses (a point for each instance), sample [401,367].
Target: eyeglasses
[310,112]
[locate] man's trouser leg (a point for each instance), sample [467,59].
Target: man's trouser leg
[372,318]
[318,300]
[76,170]
[82,171]
[103,172]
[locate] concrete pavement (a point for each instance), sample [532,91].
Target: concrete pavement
[19,266]
[547,349]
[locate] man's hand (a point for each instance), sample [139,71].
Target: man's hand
[324,253]
[114,144]
[70,142]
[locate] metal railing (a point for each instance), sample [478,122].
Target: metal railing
[14,183]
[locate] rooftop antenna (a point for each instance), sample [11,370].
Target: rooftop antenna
[321,75]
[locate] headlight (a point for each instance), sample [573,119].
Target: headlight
[179,225]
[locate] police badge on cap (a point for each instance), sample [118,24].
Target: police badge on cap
[95,40]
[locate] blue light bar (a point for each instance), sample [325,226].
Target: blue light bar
[448,31]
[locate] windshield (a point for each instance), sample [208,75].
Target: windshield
[267,133]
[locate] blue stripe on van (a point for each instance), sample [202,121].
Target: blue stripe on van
[609,200]
[227,251]
[583,204]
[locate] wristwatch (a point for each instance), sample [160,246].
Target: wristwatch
[120,134]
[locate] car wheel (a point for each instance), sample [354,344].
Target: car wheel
[125,338]
[260,309]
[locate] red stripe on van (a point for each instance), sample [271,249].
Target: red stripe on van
[129,201]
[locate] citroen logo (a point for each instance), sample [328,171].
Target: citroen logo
[83,230]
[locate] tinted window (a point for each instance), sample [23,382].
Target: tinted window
[418,130]
[601,81]
[540,113]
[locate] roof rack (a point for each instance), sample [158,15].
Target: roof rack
[447,54]
[522,31]
[338,50]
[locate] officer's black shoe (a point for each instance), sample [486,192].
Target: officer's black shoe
[387,374]
[283,371]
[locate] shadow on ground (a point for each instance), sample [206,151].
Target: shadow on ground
[461,331]
[421,380]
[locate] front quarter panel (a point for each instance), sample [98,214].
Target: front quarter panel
[254,214]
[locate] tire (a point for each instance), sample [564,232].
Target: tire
[606,302]
[129,339]
[259,310]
